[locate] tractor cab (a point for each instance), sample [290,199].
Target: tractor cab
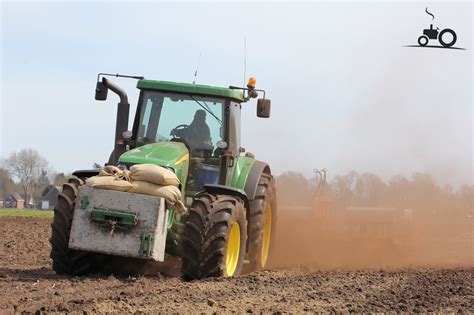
[190,120]
[195,125]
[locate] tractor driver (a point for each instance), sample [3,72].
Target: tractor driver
[198,134]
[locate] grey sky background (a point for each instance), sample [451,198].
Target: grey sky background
[345,92]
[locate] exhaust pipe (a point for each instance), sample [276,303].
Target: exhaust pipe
[123,111]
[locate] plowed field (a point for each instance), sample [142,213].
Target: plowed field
[27,283]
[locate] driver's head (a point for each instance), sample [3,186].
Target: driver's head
[200,115]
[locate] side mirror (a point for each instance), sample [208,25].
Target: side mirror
[263,107]
[101,91]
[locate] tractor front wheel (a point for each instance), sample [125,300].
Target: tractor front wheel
[65,260]
[423,40]
[215,237]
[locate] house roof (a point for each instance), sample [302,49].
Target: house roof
[53,192]
[17,196]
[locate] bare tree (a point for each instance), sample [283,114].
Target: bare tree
[294,189]
[59,179]
[29,168]
[7,185]
[369,190]
[342,188]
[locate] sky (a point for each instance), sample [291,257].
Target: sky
[346,93]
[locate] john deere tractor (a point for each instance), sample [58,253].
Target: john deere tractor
[194,131]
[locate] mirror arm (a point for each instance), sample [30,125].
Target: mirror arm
[263,91]
[248,90]
[118,75]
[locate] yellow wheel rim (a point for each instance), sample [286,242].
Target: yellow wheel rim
[267,235]
[233,250]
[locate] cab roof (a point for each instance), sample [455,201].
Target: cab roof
[188,88]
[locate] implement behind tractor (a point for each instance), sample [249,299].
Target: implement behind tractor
[193,132]
[341,232]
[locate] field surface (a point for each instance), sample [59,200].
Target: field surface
[27,283]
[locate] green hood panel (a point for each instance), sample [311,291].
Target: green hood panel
[162,153]
[170,154]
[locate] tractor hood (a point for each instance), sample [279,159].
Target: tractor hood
[163,153]
[169,154]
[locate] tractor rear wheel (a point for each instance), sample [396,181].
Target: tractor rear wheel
[453,37]
[65,260]
[262,224]
[215,237]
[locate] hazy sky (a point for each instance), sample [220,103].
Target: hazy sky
[345,92]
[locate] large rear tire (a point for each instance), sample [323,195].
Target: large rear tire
[215,237]
[65,260]
[263,212]
[453,40]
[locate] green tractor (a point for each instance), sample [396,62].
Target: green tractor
[193,130]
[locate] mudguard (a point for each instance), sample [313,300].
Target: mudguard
[258,168]
[227,190]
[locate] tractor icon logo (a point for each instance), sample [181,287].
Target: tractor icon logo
[446,37]
[431,33]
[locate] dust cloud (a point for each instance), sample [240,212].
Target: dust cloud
[358,221]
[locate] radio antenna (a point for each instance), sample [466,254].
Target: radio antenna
[245,58]
[197,68]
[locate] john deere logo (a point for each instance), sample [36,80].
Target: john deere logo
[446,37]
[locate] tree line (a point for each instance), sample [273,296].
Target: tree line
[30,174]
[419,192]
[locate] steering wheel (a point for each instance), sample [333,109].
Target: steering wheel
[179,131]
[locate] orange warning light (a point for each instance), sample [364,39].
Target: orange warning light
[252,82]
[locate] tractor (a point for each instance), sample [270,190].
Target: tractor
[434,33]
[194,131]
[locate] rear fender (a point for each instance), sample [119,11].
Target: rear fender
[226,190]
[258,168]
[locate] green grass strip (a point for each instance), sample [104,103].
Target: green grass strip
[26,213]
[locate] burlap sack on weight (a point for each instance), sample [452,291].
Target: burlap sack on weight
[109,182]
[111,170]
[153,174]
[171,194]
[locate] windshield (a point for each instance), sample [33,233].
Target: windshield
[196,120]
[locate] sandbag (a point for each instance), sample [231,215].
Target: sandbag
[171,194]
[153,174]
[111,170]
[180,207]
[109,182]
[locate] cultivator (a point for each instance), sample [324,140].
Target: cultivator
[362,228]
